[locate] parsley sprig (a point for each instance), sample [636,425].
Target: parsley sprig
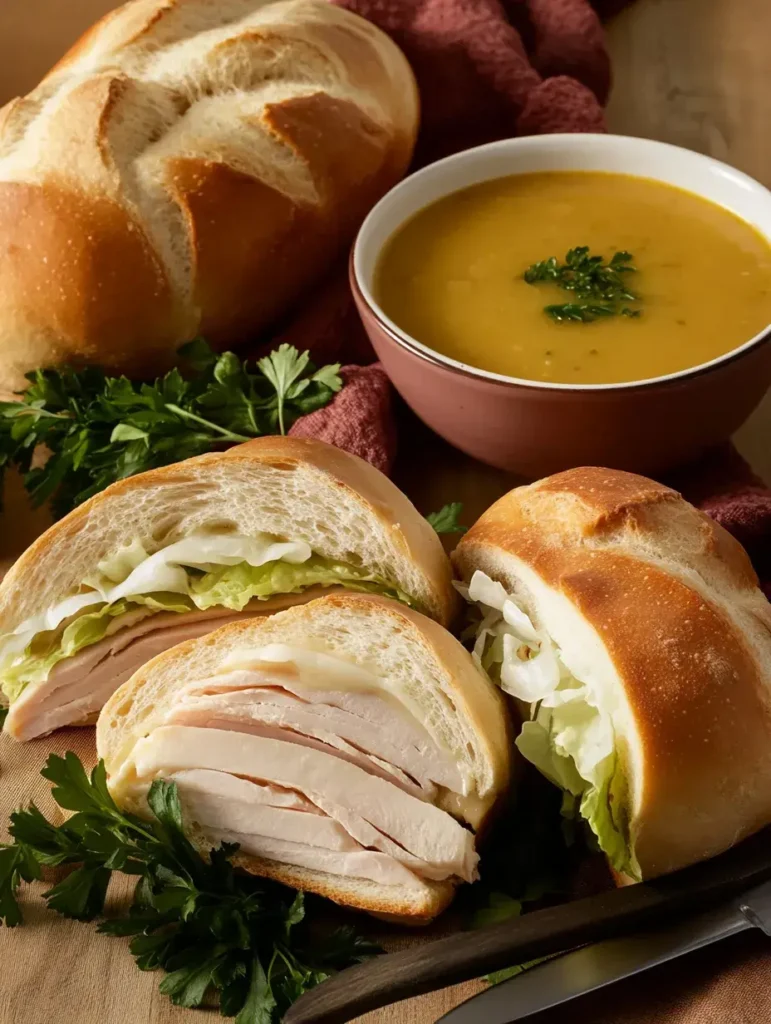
[100,429]
[590,278]
[210,927]
[446,519]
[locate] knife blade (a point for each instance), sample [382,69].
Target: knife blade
[593,967]
[545,932]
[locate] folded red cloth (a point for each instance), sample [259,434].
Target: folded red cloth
[726,488]
[488,69]
[359,419]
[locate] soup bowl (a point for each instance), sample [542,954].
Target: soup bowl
[536,428]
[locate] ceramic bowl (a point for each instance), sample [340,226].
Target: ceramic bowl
[534,428]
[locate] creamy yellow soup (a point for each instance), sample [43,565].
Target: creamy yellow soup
[453,277]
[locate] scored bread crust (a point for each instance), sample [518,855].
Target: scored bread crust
[379,633]
[294,488]
[190,167]
[673,603]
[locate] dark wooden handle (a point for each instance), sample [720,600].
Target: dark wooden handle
[466,955]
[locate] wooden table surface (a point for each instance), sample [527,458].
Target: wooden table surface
[692,72]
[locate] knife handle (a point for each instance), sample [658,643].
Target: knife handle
[465,955]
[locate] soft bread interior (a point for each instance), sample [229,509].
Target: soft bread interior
[400,742]
[324,502]
[289,488]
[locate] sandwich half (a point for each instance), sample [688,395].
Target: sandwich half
[351,747]
[173,553]
[631,631]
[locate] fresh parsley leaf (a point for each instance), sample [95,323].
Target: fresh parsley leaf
[210,927]
[295,914]
[164,803]
[297,383]
[17,864]
[198,355]
[588,277]
[585,312]
[446,519]
[188,985]
[100,429]
[125,432]
[260,1002]
[82,893]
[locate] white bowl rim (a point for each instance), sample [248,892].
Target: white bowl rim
[570,141]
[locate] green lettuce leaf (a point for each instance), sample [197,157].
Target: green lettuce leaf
[234,586]
[48,649]
[228,586]
[562,742]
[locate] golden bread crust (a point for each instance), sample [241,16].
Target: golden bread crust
[190,167]
[675,604]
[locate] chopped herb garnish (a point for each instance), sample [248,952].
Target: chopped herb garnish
[587,277]
[584,313]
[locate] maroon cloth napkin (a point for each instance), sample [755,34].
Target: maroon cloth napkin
[488,69]
[726,488]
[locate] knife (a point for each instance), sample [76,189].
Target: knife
[593,967]
[549,931]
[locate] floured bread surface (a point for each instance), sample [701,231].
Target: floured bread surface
[654,615]
[190,167]
[350,746]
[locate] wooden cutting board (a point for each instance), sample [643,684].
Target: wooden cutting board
[692,72]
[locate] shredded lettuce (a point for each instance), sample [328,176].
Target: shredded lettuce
[227,570]
[49,648]
[234,586]
[568,737]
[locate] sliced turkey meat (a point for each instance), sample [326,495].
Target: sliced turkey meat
[377,867]
[362,726]
[392,829]
[373,720]
[78,687]
[290,733]
[228,804]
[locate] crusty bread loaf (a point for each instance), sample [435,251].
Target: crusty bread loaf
[417,657]
[294,488]
[190,167]
[662,608]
